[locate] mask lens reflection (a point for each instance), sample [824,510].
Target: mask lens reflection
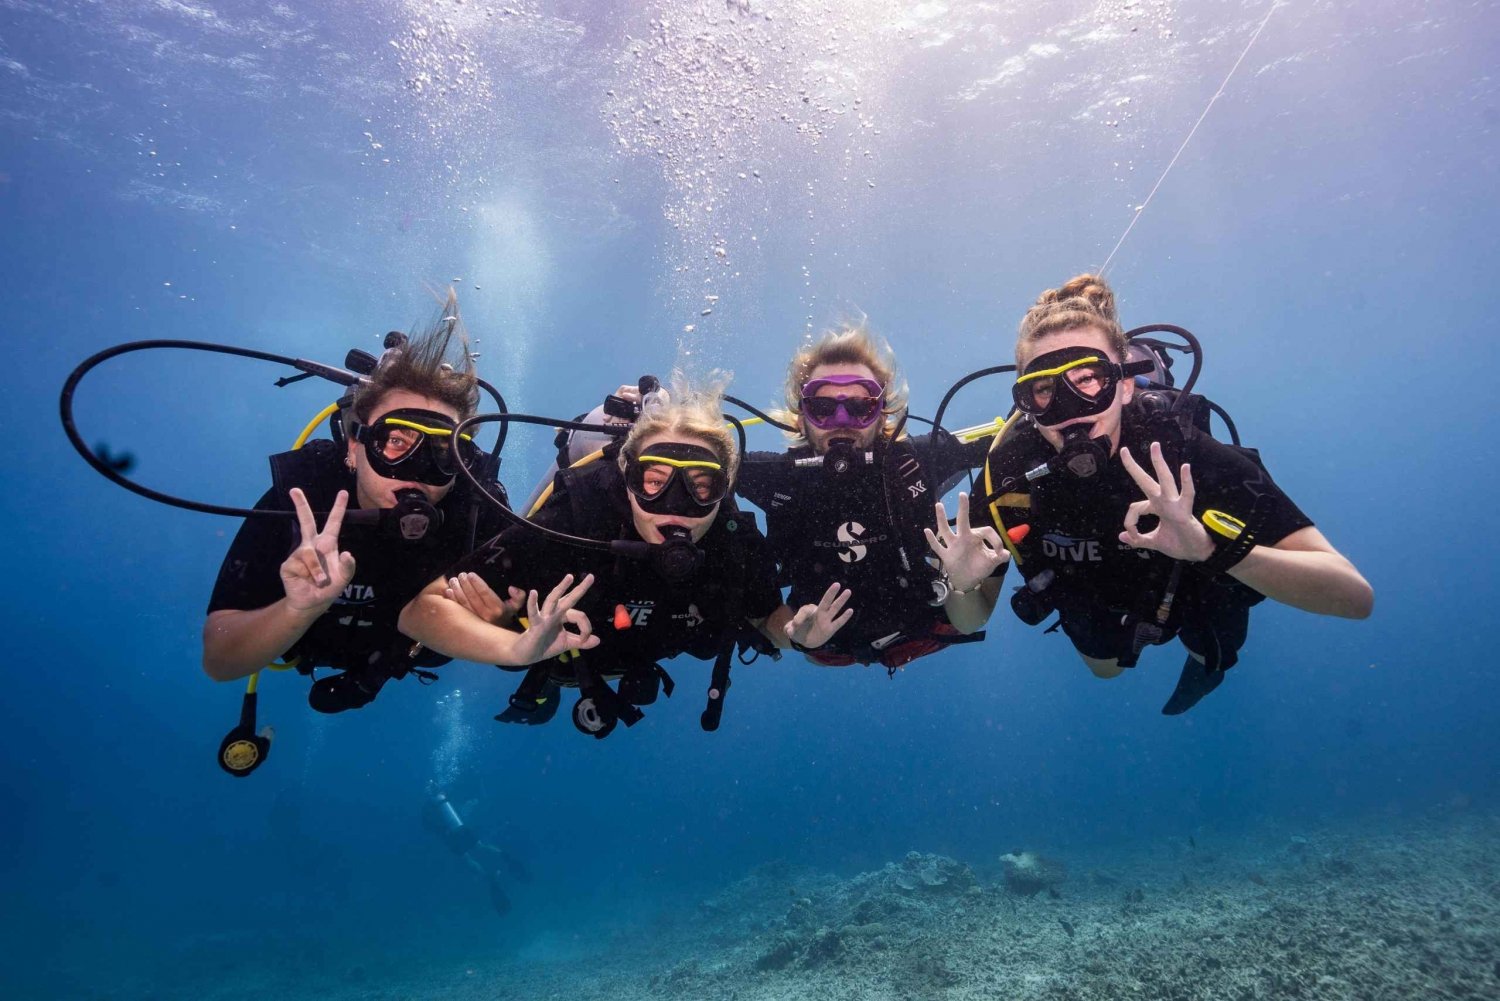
[396,443]
[1040,392]
[824,408]
[1088,381]
[702,484]
[654,479]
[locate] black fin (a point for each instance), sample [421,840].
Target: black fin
[546,708]
[1196,681]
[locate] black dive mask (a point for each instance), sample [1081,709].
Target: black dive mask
[677,478]
[412,445]
[1066,384]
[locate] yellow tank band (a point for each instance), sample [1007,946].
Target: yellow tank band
[989,487]
[978,431]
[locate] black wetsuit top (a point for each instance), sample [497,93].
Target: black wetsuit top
[358,631]
[824,528]
[1076,524]
[735,583]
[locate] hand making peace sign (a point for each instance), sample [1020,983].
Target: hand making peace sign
[316,573]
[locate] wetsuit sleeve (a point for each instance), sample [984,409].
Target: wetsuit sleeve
[760,474]
[250,576]
[1230,480]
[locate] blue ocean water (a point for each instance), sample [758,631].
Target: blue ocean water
[615,188]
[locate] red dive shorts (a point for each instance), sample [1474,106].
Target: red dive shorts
[896,655]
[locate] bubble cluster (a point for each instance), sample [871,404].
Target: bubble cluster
[440,54]
[745,106]
[456,737]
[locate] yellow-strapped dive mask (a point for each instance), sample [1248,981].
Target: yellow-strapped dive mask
[677,478]
[412,445]
[1065,384]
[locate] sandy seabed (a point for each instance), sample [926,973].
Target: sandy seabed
[1410,912]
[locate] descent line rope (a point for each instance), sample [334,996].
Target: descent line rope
[1191,132]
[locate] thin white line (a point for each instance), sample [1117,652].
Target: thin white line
[1191,132]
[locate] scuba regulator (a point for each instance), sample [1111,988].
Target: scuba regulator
[842,458]
[1082,456]
[413,518]
[676,559]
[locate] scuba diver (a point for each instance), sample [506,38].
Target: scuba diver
[1129,556]
[491,863]
[847,506]
[683,571]
[330,597]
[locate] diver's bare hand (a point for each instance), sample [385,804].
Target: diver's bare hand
[546,632]
[969,555]
[472,592]
[316,572]
[814,625]
[1178,532]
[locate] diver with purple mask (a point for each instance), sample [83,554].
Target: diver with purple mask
[848,505]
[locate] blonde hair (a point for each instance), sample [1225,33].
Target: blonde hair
[851,344]
[697,412]
[1085,301]
[434,363]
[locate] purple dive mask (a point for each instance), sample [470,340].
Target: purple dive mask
[856,410]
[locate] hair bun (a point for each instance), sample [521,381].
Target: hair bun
[1091,289]
[1086,300]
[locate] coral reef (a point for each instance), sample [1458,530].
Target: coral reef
[1026,873]
[1326,917]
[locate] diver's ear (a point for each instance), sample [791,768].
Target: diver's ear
[1127,389]
[349,459]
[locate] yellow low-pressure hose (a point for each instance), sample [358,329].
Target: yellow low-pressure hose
[313,425]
